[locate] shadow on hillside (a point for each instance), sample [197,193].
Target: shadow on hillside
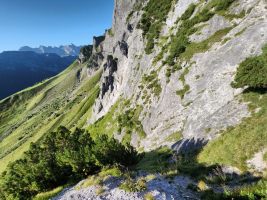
[256,90]
[217,176]
[188,145]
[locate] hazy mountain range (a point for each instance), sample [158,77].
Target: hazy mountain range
[63,50]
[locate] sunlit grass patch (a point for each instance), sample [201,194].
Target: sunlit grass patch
[236,145]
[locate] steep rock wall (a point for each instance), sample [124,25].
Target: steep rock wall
[209,104]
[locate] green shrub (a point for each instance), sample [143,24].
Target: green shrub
[252,73]
[129,16]
[222,4]
[178,46]
[48,195]
[49,164]
[176,67]
[189,12]
[155,14]
[204,45]
[149,196]
[153,83]
[254,191]
[109,151]
[183,91]
[110,32]
[60,157]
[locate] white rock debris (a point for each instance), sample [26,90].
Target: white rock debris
[160,188]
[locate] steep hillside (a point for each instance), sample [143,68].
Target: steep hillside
[62,100]
[163,75]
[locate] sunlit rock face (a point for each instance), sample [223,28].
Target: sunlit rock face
[210,104]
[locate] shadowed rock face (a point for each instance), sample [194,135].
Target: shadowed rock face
[111,68]
[85,53]
[97,41]
[123,47]
[96,59]
[130,28]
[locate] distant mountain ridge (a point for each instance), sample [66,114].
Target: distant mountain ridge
[21,69]
[63,50]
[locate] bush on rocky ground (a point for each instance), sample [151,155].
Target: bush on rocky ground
[252,72]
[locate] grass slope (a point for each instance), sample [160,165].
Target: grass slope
[25,117]
[238,144]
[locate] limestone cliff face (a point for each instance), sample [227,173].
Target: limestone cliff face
[209,104]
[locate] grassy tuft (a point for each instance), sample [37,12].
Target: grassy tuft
[131,185]
[265,157]
[153,83]
[48,195]
[114,171]
[202,186]
[183,91]
[90,181]
[174,137]
[149,196]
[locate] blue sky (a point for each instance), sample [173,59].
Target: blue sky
[52,22]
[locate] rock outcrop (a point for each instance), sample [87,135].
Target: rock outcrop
[85,53]
[109,69]
[158,187]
